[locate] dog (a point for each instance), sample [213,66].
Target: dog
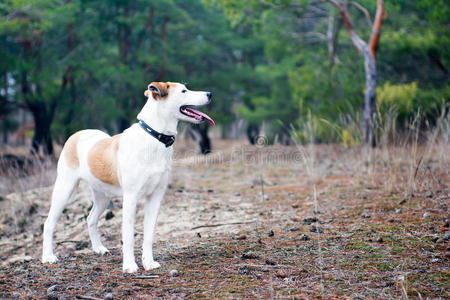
[134,164]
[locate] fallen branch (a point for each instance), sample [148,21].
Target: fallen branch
[87,297]
[68,241]
[417,167]
[146,276]
[221,224]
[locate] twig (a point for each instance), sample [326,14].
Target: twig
[262,186]
[87,297]
[221,224]
[277,266]
[146,276]
[364,11]
[418,165]
[68,241]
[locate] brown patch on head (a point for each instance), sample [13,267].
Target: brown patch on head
[102,160]
[70,151]
[159,90]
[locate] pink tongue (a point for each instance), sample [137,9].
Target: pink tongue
[199,113]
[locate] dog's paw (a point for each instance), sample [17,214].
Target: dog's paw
[130,268]
[49,259]
[149,265]
[101,250]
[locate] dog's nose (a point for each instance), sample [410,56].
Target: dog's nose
[209,95]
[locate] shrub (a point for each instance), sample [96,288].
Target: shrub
[399,97]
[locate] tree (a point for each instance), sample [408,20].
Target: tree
[290,32]
[369,51]
[161,41]
[77,64]
[71,58]
[34,66]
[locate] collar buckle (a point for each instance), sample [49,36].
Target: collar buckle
[170,141]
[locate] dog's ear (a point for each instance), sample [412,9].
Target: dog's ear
[159,90]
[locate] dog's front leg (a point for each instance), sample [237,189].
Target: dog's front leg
[129,214]
[152,205]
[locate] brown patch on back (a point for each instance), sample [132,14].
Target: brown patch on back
[102,160]
[163,87]
[70,151]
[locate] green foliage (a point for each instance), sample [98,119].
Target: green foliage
[400,97]
[268,62]
[406,100]
[413,48]
[106,53]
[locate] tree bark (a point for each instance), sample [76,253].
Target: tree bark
[200,135]
[332,38]
[71,44]
[370,110]
[148,24]
[42,122]
[252,133]
[122,124]
[43,114]
[369,51]
[162,70]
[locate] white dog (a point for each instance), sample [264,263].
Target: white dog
[134,164]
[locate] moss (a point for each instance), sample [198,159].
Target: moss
[413,292]
[397,249]
[362,246]
[287,292]
[388,266]
[394,228]
[421,244]
[439,277]
[379,254]
[22,223]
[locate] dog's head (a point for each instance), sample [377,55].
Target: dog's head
[177,100]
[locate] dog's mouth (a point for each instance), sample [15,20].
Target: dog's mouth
[187,110]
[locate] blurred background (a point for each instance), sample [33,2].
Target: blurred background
[277,68]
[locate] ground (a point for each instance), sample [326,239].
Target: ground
[255,222]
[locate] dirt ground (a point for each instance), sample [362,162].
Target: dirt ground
[254,222]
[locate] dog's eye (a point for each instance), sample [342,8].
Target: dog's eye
[184,91]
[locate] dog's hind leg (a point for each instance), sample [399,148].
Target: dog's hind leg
[63,189]
[99,206]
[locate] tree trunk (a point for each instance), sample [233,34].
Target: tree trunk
[70,77]
[43,114]
[122,124]
[71,111]
[42,121]
[162,70]
[5,137]
[200,135]
[252,133]
[334,27]
[369,51]
[369,113]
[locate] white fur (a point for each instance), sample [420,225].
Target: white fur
[144,165]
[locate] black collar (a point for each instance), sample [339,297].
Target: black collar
[167,140]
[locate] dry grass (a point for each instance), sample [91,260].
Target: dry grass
[370,240]
[20,171]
